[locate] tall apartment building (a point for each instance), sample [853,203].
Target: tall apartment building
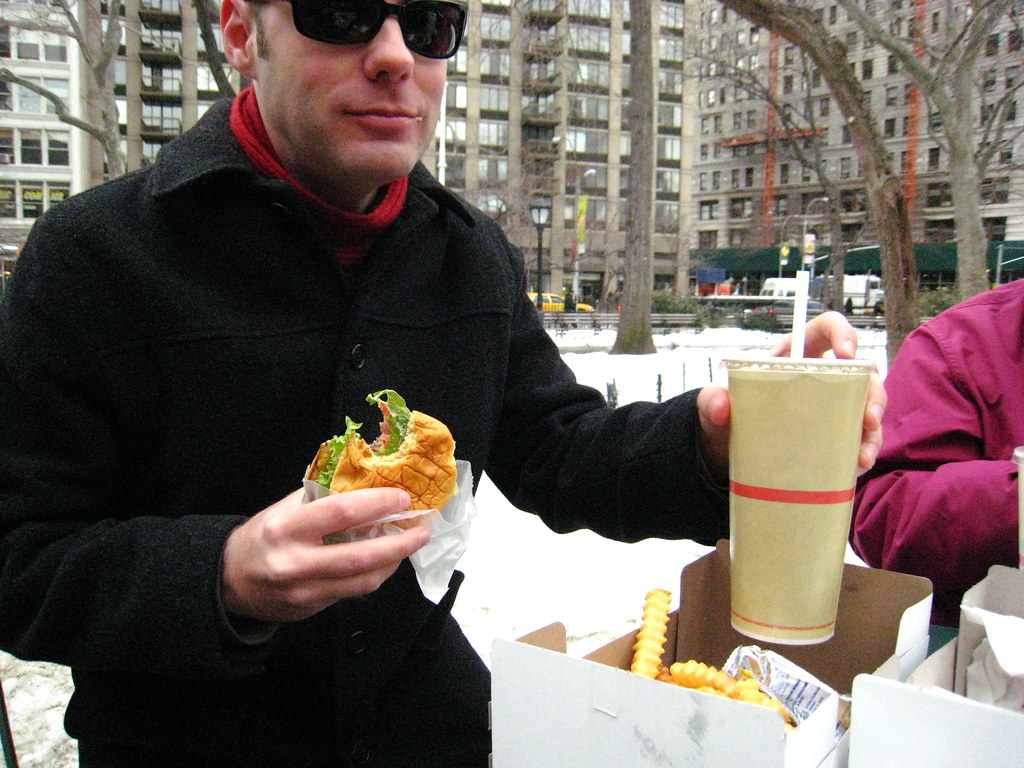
[36,148]
[749,182]
[535,110]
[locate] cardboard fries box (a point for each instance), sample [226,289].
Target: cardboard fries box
[551,710]
[921,722]
[938,725]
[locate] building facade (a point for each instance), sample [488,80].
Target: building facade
[755,177]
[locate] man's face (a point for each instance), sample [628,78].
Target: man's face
[343,119]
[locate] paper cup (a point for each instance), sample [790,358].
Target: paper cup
[1018,456]
[794,439]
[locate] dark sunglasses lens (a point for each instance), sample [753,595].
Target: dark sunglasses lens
[338,21]
[433,29]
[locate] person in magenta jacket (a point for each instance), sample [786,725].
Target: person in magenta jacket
[941,501]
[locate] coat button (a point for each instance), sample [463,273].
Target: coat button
[357,642]
[280,210]
[360,753]
[357,357]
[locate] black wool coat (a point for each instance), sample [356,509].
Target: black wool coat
[174,346]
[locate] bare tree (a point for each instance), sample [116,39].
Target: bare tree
[634,334]
[208,19]
[886,201]
[944,66]
[793,130]
[60,19]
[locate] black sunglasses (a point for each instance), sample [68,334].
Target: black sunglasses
[431,28]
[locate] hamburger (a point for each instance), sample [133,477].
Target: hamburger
[414,451]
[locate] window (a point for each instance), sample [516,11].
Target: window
[845,167]
[748,177]
[666,216]
[707,238]
[992,45]
[57,149]
[31,148]
[824,106]
[891,95]
[893,65]
[938,195]
[741,208]
[493,98]
[939,231]
[493,133]
[716,179]
[8,200]
[995,191]
[784,173]
[31,201]
[889,127]
[28,51]
[709,210]
[493,168]
[867,69]
[934,158]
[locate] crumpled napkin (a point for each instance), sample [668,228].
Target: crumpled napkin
[996,672]
[449,532]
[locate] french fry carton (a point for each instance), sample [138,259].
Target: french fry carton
[550,710]
[937,724]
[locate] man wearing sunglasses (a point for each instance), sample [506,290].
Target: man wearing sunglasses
[174,346]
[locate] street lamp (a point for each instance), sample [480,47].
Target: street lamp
[539,212]
[807,212]
[580,247]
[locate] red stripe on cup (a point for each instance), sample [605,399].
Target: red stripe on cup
[785,496]
[782,627]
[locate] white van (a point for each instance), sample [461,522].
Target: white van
[860,292]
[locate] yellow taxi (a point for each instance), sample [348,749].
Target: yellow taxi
[554,303]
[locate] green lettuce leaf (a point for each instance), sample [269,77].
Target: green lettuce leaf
[336,445]
[397,415]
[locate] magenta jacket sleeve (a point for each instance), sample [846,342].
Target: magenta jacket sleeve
[941,500]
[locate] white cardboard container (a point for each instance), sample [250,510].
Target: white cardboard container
[940,728]
[550,710]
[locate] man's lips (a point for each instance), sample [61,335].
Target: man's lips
[386,115]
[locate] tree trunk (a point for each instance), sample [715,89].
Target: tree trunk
[634,335]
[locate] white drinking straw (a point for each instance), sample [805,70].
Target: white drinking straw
[1018,456]
[800,313]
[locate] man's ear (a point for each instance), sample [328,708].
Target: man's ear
[238,28]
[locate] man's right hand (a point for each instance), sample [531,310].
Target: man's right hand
[276,567]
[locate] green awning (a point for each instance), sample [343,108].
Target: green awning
[930,257]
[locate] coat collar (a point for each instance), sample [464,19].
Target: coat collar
[209,149]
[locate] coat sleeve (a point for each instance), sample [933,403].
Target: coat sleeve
[90,577]
[937,503]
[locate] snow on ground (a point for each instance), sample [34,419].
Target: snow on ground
[519,575]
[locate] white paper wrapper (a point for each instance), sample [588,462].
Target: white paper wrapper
[996,672]
[449,532]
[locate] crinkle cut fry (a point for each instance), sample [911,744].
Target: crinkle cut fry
[650,642]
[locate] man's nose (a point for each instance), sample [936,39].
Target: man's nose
[388,53]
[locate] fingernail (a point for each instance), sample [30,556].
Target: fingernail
[849,348]
[424,537]
[404,500]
